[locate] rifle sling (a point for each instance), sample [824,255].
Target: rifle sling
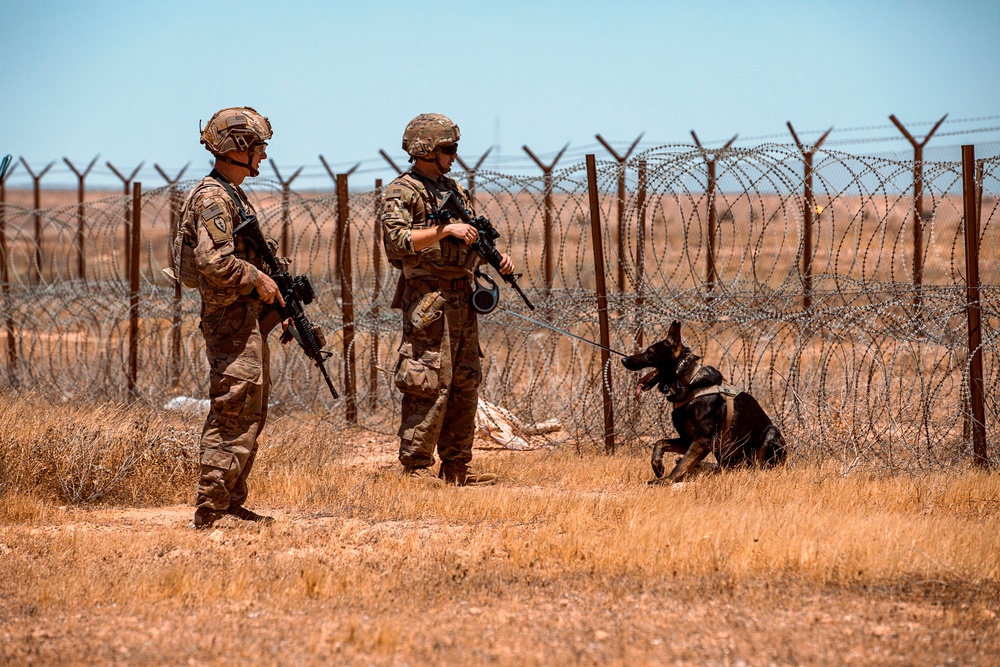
[270,315]
[224,182]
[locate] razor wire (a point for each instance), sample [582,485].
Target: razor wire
[874,371]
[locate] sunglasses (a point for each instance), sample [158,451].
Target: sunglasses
[449,150]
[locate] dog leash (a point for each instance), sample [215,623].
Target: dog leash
[558,330]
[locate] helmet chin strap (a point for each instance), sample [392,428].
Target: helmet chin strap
[436,161]
[246,165]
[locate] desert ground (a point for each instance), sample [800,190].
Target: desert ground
[570,559]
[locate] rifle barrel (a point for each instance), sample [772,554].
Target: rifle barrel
[326,376]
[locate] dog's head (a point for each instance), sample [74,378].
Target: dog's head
[665,358]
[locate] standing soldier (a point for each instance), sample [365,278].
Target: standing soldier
[439,367]
[234,290]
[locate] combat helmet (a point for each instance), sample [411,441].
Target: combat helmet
[426,132]
[235,129]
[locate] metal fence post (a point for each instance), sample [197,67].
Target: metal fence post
[133,302]
[711,274]
[622,159]
[81,265]
[36,272]
[286,224]
[918,203]
[472,173]
[347,298]
[175,317]
[547,203]
[127,184]
[973,307]
[807,212]
[602,304]
[389,160]
[334,177]
[376,292]
[640,250]
[5,281]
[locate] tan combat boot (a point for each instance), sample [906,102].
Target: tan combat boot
[422,476]
[243,514]
[205,517]
[462,476]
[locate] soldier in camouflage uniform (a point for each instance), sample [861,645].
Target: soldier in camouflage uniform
[439,368]
[234,290]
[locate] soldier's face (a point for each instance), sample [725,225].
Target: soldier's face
[446,157]
[258,154]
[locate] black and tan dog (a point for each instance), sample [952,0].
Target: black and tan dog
[710,417]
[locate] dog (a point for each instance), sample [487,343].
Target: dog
[710,416]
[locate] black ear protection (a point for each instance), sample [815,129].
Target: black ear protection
[484,300]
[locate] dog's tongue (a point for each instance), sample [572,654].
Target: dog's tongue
[641,386]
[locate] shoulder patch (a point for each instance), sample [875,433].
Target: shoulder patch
[218,229]
[399,191]
[213,210]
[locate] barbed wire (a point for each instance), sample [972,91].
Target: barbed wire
[874,370]
[61,176]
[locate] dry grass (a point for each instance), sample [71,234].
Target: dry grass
[571,559]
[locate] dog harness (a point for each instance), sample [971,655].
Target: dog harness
[728,392]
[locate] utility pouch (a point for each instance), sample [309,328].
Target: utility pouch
[425,310]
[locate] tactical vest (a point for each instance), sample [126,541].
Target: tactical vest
[447,253]
[186,239]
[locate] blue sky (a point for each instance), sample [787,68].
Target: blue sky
[131,80]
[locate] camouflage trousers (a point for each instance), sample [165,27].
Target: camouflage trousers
[238,389]
[438,372]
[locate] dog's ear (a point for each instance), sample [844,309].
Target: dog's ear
[674,336]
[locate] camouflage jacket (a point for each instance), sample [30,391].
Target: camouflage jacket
[407,205]
[227,267]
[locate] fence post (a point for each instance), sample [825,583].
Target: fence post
[472,173]
[807,212]
[330,171]
[334,177]
[621,203]
[973,307]
[389,160]
[640,251]
[127,184]
[711,275]
[36,273]
[547,262]
[286,224]
[376,292]
[5,280]
[81,265]
[346,297]
[175,318]
[133,303]
[918,204]
[602,304]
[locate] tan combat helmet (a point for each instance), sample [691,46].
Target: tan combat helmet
[426,132]
[235,129]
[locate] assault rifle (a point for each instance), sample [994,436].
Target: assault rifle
[296,291]
[484,244]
